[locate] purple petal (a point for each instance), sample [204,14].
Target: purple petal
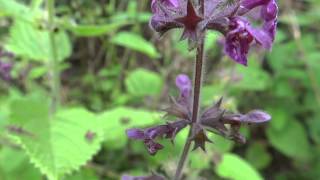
[269,12]
[184,84]
[250,4]
[158,131]
[135,134]
[165,3]
[261,36]
[255,116]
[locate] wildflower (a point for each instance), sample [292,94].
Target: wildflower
[225,16]
[214,119]
[180,108]
[149,135]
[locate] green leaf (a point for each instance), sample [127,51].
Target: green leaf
[116,121]
[253,77]
[14,9]
[15,164]
[235,168]
[142,82]
[291,140]
[280,118]
[258,155]
[57,145]
[135,42]
[29,42]
[314,126]
[95,30]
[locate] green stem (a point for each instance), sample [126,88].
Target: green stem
[54,74]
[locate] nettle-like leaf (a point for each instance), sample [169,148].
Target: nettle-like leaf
[56,145]
[29,41]
[234,167]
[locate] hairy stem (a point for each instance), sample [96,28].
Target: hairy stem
[196,98]
[195,108]
[54,74]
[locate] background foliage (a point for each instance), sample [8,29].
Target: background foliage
[117,74]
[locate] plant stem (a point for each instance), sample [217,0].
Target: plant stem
[195,107]
[196,98]
[55,74]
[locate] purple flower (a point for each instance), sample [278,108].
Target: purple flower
[181,108]
[149,135]
[215,119]
[227,17]
[184,85]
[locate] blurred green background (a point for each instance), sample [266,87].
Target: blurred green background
[117,74]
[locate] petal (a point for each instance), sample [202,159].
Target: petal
[236,50]
[261,36]
[255,116]
[157,131]
[135,134]
[250,4]
[184,84]
[269,12]
[270,27]
[165,3]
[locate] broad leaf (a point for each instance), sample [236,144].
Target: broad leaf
[258,155]
[57,145]
[235,168]
[33,43]
[142,82]
[95,30]
[291,140]
[252,77]
[135,42]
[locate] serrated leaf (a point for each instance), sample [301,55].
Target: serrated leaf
[291,140]
[142,82]
[135,42]
[235,168]
[57,145]
[29,42]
